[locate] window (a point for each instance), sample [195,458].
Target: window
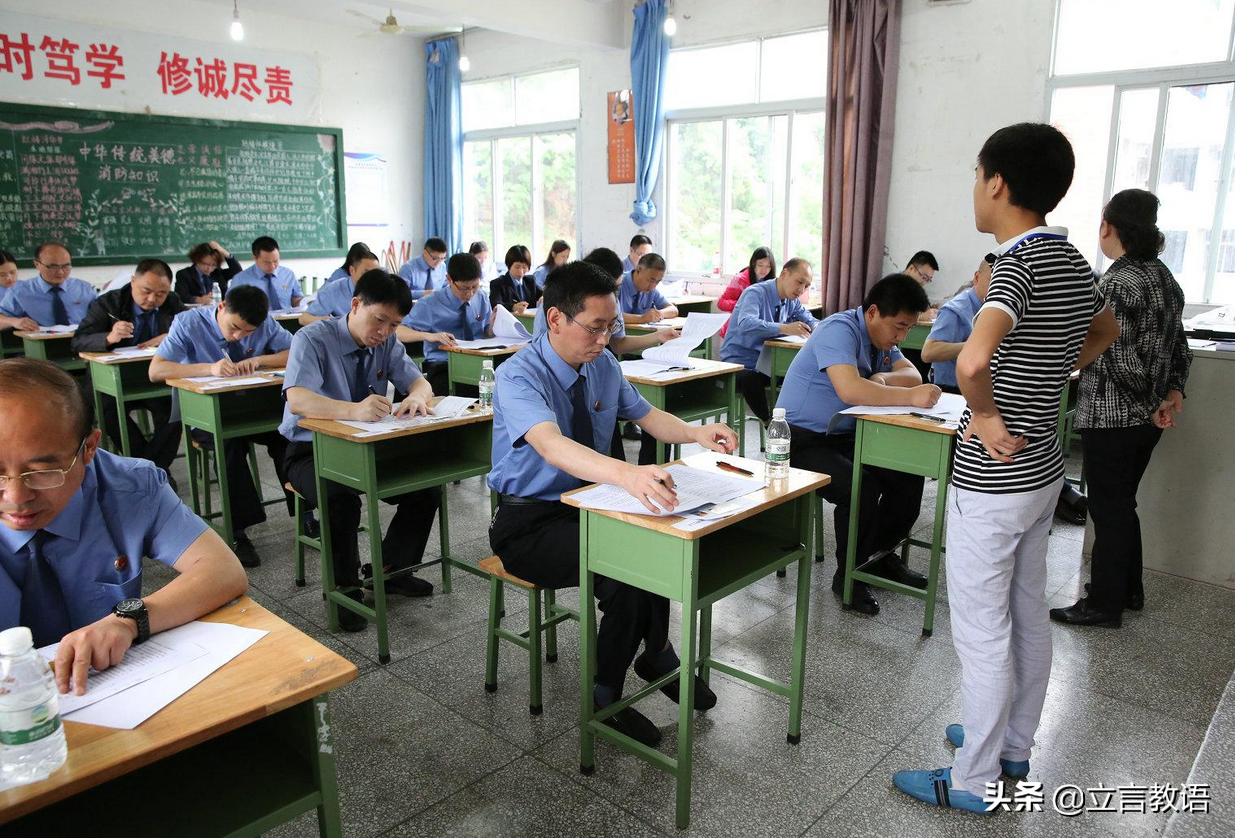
[745,167]
[520,179]
[1142,117]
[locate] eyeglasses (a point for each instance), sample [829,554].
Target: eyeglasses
[923,274]
[56,269]
[609,330]
[52,478]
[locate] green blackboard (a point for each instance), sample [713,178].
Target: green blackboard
[119,187]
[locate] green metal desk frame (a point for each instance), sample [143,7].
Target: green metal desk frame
[465,367]
[124,381]
[58,350]
[781,357]
[696,573]
[916,337]
[10,344]
[695,400]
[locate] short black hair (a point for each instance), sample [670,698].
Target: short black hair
[651,262]
[1134,215]
[6,257]
[38,251]
[263,244]
[607,261]
[463,267]
[154,266]
[896,294]
[568,288]
[796,264]
[1035,160]
[518,253]
[21,376]
[923,257]
[435,245]
[376,287]
[639,240]
[355,253]
[249,303]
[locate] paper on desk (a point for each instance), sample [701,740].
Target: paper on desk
[506,325]
[125,353]
[672,289]
[223,382]
[56,330]
[713,512]
[698,328]
[1201,344]
[800,340]
[949,408]
[764,363]
[491,343]
[127,709]
[157,655]
[450,407]
[694,488]
[652,369]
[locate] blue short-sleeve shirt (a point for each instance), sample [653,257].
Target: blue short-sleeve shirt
[334,299]
[338,273]
[633,301]
[33,298]
[281,287]
[440,312]
[195,338]
[756,319]
[808,397]
[954,324]
[421,278]
[533,386]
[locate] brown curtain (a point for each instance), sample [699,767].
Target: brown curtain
[864,46]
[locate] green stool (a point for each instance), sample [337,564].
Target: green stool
[203,478]
[529,640]
[302,540]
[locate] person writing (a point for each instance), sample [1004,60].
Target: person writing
[210,266]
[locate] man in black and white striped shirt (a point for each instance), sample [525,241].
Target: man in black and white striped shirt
[1043,316]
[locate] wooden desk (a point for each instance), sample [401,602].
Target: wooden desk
[227,413]
[125,380]
[463,365]
[247,749]
[708,390]
[10,344]
[697,569]
[782,353]
[692,302]
[912,446]
[57,348]
[384,466]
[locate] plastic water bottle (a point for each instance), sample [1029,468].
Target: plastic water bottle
[30,729]
[776,456]
[487,382]
[216,294]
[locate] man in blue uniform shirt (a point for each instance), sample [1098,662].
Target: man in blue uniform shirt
[426,272]
[556,404]
[766,310]
[638,297]
[77,525]
[952,328]
[460,310]
[640,246]
[852,359]
[53,298]
[339,369]
[335,297]
[238,337]
[279,283]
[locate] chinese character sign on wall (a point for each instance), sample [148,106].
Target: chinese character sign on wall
[621,138]
[54,61]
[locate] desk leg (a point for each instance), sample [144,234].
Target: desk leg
[941,507]
[443,534]
[705,642]
[851,549]
[329,823]
[190,462]
[686,706]
[807,510]
[375,551]
[122,418]
[587,653]
[105,440]
[327,539]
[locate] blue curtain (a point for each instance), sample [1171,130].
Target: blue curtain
[443,181]
[649,58]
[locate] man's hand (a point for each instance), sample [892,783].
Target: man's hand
[25,324]
[521,307]
[248,366]
[223,366]
[924,395]
[101,644]
[204,299]
[1164,416]
[653,316]
[993,434]
[666,335]
[120,330]
[373,409]
[444,339]
[797,328]
[717,437]
[653,486]
[154,341]
[413,405]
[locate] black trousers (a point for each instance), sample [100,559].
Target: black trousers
[753,387]
[164,440]
[403,544]
[247,509]
[438,374]
[540,543]
[891,500]
[1115,461]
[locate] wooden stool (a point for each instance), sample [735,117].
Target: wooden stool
[530,639]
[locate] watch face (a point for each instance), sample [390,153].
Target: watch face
[129,606]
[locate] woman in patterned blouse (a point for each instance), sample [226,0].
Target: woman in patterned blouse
[1127,397]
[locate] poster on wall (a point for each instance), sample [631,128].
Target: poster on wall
[621,137]
[58,62]
[365,176]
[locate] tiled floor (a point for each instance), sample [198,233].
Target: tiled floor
[423,750]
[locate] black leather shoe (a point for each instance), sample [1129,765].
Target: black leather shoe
[635,725]
[311,528]
[1083,614]
[705,699]
[1133,601]
[246,552]
[407,585]
[895,570]
[349,620]
[864,601]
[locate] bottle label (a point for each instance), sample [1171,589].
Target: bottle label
[21,727]
[777,452]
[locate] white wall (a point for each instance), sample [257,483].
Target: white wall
[372,88]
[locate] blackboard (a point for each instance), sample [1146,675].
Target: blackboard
[120,187]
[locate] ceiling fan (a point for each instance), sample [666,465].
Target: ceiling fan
[391,26]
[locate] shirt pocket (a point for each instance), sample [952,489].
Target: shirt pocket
[115,586]
[603,423]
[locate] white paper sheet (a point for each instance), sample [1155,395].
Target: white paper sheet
[224,383]
[56,330]
[694,488]
[506,325]
[159,654]
[673,289]
[711,513]
[492,343]
[652,369]
[697,329]
[128,709]
[449,407]
[763,363]
[800,340]
[949,408]
[126,354]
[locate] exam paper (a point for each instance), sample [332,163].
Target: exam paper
[652,369]
[492,343]
[506,325]
[694,488]
[698,328]
[450,407]
[763,363]
[56,330]
[223,382]
[713,512]
[800,340]
[125,354]
[157,655]
[949,408]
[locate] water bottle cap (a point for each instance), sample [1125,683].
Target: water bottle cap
[14,641]
[487,364]
[778,413]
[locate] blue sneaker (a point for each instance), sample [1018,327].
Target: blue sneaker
[1015,770]
[935,787]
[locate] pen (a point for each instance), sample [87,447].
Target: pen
[929,418]
[721,464]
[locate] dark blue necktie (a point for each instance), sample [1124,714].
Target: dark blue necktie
[58,311]
[874,359]
[465,324]
[360,380]
[235,351]
[580,419]
[776,314]
[145,327]
[518,284]
[207,282]
[275,301]
[43,609]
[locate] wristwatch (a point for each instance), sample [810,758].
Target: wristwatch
[135,610]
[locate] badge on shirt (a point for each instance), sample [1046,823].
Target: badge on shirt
[381,373]
[121,562]
[249,351]
[596,407]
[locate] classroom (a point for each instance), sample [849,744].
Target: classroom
[617,418]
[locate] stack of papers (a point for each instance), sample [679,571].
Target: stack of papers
[56,330]
[798,339]
[125,353]
[508,332]
[223,382]
[695,488]
[949,409]
[676,352]
[450,407]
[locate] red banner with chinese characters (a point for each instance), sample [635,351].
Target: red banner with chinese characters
[45,61]
[621,137]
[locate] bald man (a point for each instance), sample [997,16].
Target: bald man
[77,524]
